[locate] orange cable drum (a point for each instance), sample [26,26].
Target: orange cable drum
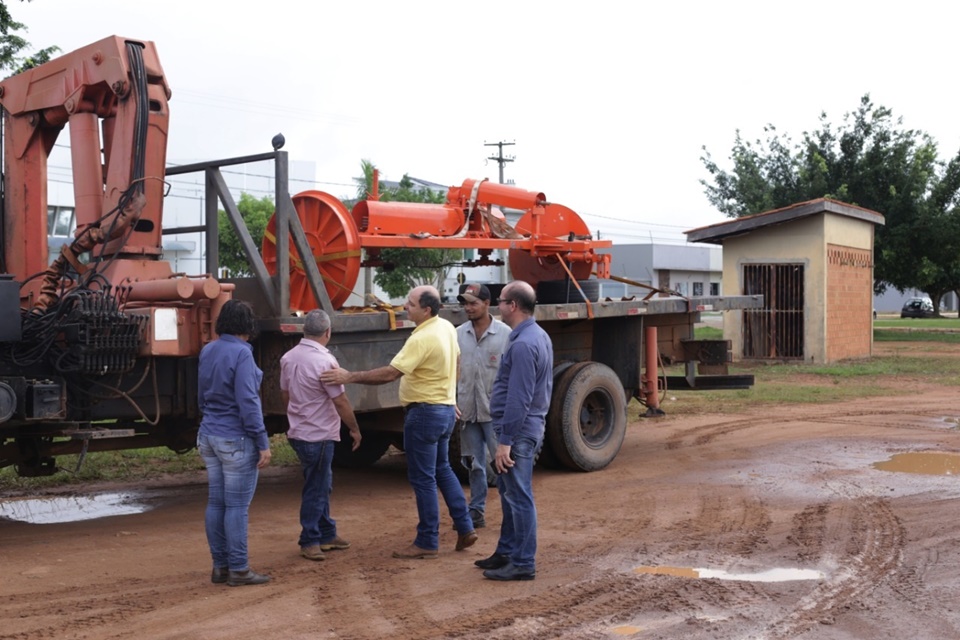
[334,243]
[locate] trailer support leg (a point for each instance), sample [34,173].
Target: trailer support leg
[650,390]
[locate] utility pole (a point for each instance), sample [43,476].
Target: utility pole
[502,160]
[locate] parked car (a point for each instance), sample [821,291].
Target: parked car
[917,308]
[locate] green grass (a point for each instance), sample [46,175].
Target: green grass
[798,383]
[919,335]
[708,333]
[131,464]
[916,323]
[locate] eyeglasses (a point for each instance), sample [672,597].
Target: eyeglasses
[502,300]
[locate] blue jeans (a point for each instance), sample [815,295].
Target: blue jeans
[518,531]
[316,458]
[476,439]
[232,474]
[426,440]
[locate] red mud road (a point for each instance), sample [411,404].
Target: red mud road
[792,488]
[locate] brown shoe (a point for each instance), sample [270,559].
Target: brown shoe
[312,552]
[413,552]
[335,544]
[466,540]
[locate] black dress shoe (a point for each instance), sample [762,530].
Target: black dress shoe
[510,572]
[241,578]
[219,575]
[495,561]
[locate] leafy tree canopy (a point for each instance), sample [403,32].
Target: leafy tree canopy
[13,45]
[256,214]
[404,269]
[869,160]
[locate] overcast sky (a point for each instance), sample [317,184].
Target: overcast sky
[608,102]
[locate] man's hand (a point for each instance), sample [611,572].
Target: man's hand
[335,376]
[264,460]
[356,439]
[502,462]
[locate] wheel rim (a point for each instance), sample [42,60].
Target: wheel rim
[596,416]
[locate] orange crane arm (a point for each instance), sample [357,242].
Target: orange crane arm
[119,84]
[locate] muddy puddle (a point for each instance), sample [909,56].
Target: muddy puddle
[57,509]
[932,463]
[769,575]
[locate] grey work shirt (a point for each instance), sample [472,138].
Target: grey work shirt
[479,361]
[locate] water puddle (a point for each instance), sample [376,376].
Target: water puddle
[626,630]
[50,510]
[931,463]
[770,575]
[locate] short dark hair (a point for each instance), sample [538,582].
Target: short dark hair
[428,299]
[237,319]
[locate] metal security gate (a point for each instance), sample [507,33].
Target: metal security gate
[776,330]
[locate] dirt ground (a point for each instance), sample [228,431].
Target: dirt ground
[790,489]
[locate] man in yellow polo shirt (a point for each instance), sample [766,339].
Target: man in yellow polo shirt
[428,366]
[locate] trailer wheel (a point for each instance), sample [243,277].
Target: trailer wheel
[453,451]
[372,447]
[547,459]
[588,417]
[462,473]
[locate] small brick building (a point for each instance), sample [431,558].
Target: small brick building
[813,263]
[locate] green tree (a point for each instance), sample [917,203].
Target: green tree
[404,269]
[869,160]
[13,45]
[256,214]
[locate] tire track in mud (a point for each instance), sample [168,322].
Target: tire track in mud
[87,611]
[809,530]
[723,526]
[868,548]
[705,434]
[377,591]
[79,609]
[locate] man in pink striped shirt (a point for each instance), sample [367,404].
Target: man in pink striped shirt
[314,412]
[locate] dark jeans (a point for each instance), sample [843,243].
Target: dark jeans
[518,531]
[316,458]
[426,440]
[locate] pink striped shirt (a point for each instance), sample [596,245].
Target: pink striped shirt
[310,412]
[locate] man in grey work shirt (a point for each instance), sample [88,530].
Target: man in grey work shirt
[482,341]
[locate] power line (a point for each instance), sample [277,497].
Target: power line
[251,106]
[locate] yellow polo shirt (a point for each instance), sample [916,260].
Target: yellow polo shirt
[428,362]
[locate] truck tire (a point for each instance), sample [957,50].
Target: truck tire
[547,459]
[454,451]
[564,291]
[462,473]
[372,447]
[587,420]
